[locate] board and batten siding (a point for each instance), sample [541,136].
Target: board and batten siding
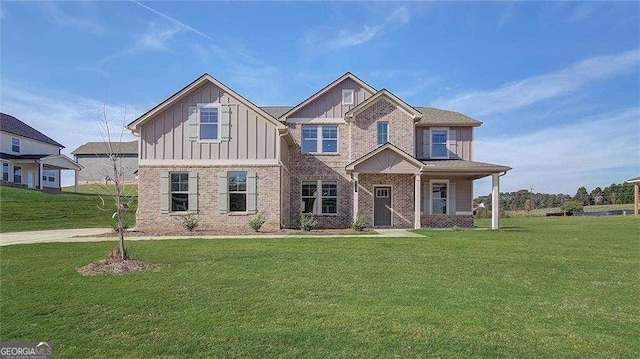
[166,137]
[329,105]
[462,147]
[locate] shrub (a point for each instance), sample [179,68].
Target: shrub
[358,225]
[571,207]
[190,221]
[257,222]
[308,222]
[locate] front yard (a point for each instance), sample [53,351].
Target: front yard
[545,287]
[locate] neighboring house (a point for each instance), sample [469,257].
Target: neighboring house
[636,193]
[29,157]
[94,157]
[347,151]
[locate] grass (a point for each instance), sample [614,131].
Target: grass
[129,189]
[544,287]
[28,210]
[541,212]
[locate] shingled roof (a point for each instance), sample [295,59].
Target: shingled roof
[436,116]
[100,148]
[12,125]
[276,111]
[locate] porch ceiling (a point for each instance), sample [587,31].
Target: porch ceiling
[60,162]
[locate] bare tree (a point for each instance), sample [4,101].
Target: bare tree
[115,172]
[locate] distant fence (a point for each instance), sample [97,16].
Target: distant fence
[617,212]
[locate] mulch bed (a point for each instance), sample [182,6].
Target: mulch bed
[115,265]
[238,232]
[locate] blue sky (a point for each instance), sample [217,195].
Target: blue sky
[557,84]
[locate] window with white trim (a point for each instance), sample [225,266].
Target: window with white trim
[323,201]
[348,97]
[383,132]
[179,192]
[439,144]
[237,191]
[319,139]
[208,123]
[5,171]
[17,174]
[439,197]
[49,176]
[15,144]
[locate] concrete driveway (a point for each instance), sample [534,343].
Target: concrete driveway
[58,235]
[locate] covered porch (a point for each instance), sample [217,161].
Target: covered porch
[38,171]
[392,189]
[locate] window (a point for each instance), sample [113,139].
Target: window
[439,198]
[179,192]
[324,201]
[237,191]
[49,176]
[208,124]
[15,144]
[383,132]
[348,97]
[320,139]
[439,144]
[17,174]
[5,172]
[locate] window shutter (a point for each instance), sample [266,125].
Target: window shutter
[426,143]
[452,198]
[452,144]
[425,197]
[223,188]
[164,192]
[192,122]
[225,123]
[252,185]
[193,192]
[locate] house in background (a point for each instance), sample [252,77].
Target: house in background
[94,158]
[29,157]
[348,151]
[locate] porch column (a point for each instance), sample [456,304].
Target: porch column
[495,201]
[75,179]
[40,170]
[416,215]
[354,176]
[636,198]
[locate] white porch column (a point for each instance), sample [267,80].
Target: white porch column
[416,215]
[41,169]
[354,176]
[75,183]
[495,201]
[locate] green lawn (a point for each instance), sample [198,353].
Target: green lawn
[541,212]
[545,287]
[28,210]
[128,190]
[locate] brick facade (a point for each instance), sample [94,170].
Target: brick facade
[149,217]
[446,221]
[402,197]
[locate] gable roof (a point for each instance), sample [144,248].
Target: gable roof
[99,148]
[351,166]
[384,93]
[634,180]
[324,90]
[135,124]
[12,125]
[276,111]
[436,116]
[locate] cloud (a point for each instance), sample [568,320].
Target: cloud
[543,87]
[155,38]
[560,159]
[174,21]
[506,15]
[583,11]
[346,39]
[56,14]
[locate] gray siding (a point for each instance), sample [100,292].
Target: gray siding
[97,168]
[166,136]
[330,105]
[464,140]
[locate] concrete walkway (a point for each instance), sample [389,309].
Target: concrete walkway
[69,235]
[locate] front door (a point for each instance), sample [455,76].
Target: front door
[382,206]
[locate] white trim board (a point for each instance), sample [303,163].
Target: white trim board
[187,163]
[317,120]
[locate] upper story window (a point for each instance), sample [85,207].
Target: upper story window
[383,132]
[208,122]
[319,139]
[348,97]
[237,191]
[179,192]
[439,144]
[15,144]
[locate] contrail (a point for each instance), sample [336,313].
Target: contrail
[182,25]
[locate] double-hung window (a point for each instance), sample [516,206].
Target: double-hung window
[439,144]
[17,174]
[5,171]
[179,192]
[320,139]
[209,124]
[49,176]
[237,182]
[439,198]
[383,132]
[319,197]
[15,144]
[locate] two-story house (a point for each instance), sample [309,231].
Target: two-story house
[29,157]
[348,151]
[94,158]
